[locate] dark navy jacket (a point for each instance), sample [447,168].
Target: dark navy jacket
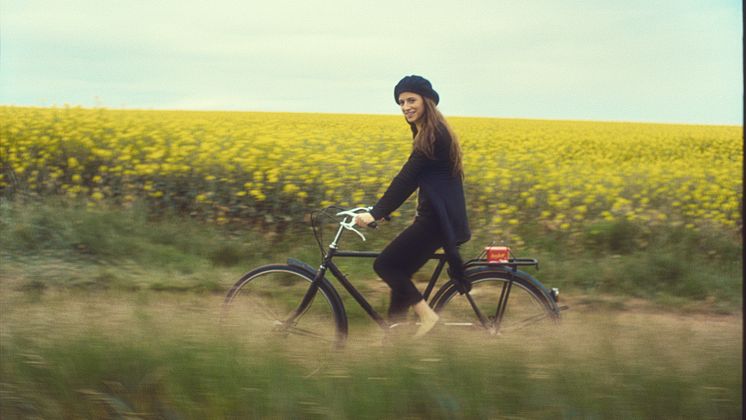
[441,196]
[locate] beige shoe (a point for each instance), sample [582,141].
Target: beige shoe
[426,325]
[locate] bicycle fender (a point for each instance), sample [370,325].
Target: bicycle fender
[303,265]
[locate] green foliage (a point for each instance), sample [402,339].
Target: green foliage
[615,237]
[227,255]
[60,244]
[655,263]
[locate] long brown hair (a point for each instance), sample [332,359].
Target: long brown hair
[424,141]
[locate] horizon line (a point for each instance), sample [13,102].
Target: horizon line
[155,109]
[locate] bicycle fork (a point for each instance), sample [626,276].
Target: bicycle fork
[318,278]
[307,298]
[311,292]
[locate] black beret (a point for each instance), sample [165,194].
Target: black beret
[415,84]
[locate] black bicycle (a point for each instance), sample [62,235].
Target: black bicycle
[296,300]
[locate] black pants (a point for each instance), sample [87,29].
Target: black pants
[406,254]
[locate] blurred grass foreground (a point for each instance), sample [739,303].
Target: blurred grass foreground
[163,356]
[121,230]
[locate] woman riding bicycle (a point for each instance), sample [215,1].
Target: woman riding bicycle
[435,167]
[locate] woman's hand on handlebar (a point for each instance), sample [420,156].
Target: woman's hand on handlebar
[364,219]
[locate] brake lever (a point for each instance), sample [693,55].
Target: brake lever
[352,213]
[349,226]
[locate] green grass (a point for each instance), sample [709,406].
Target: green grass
[52,244]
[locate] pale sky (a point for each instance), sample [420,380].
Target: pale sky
[620,60]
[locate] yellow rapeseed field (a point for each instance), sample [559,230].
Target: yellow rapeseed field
[229,166]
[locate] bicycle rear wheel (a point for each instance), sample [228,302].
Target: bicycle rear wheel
[525,306]
[265,303]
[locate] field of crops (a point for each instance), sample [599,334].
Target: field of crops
[256,167]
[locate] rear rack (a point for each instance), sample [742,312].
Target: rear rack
[512,263]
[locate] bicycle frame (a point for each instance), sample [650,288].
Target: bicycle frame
[328,264]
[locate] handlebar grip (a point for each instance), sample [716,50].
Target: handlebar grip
[374,224]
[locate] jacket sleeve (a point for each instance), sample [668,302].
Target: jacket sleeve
[401,187]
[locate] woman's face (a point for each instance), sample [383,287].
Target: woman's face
[412,105]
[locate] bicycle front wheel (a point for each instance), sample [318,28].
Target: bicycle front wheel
[266,304]
[523,304]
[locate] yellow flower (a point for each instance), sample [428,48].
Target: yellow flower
[560,173]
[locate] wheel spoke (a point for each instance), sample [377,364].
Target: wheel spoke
[264,308]
[517,325]
[306,333]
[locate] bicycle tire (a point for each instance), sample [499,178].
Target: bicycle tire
[527,304]
[261,301]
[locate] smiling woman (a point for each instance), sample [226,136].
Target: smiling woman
[412,105]
[434,167]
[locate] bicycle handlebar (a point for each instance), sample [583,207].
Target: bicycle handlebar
[374,224]
[349,224]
